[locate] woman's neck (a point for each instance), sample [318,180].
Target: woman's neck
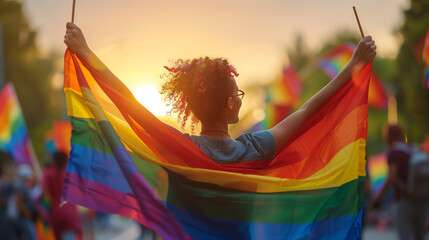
[215,130]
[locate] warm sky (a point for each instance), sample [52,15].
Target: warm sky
[136,38]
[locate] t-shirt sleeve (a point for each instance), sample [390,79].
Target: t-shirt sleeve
[261,142]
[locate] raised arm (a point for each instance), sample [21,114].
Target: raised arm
[75,41]
[364,53]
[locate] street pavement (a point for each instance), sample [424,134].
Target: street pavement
[126,229]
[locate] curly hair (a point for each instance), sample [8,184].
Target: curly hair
[199,86]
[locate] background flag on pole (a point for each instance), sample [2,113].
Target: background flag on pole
[280,99]
[274,113]
[337,59]
[14,138]
[58,138]
[62,131]
[49,142]
[377,169]
[287,90]
[425,57]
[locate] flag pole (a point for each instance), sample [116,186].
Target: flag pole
[392,112]
[74,4]
[357,19]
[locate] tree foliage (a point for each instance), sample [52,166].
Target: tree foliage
[30,73]
[412,95]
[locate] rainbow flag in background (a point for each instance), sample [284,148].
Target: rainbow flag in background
[377,96]
[287,90]
[58,139]
[427,76]
[14,138]
[274,113]
[62,131]
[49,142]
[425,57]
[125,161]
[424,146]
[43,228]
[280,98]
[336,59]
[377,170]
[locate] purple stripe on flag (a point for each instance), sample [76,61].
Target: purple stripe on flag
[143,206]
[94,193]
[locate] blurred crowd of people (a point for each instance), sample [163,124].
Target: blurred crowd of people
[31,206]
[402,200]
[18,189]
[30,203]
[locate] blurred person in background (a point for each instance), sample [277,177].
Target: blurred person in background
[63,217]
[23,215]
[5,194]
[410,216]
[425,144]
[144,232]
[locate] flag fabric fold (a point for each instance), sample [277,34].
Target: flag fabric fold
[126,161]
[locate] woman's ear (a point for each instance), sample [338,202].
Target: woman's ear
[229,103]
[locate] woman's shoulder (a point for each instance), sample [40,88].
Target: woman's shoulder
[265,137]
[262,142]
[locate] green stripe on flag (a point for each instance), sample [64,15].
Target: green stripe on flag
[87,133]
[287,207]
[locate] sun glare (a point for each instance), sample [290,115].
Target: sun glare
[151,99]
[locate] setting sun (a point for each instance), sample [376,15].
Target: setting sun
[149,97]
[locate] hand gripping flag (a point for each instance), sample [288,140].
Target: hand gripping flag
[337,59]
[126,161]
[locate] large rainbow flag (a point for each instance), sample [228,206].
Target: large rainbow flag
[126,161]
[14,138]
[337,58]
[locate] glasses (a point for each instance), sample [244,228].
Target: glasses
[240,94]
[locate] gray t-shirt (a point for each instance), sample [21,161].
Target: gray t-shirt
[247,147]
